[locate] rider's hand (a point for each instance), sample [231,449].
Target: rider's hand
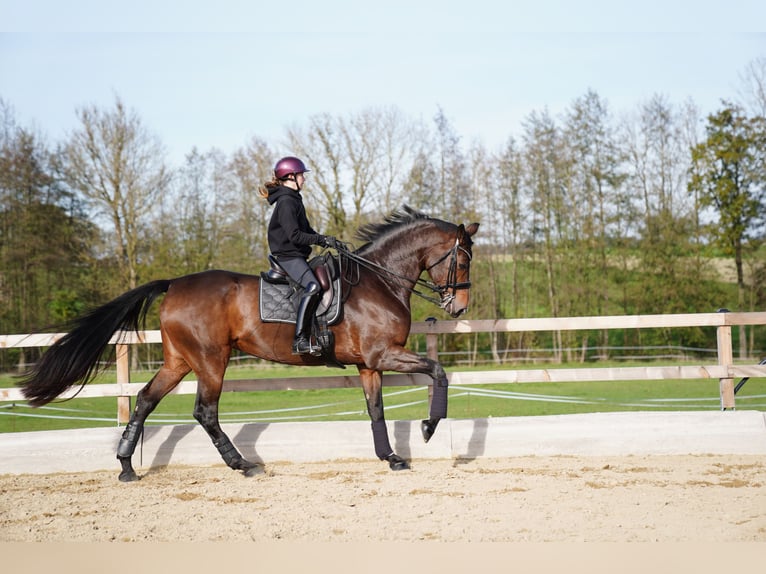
[331,242]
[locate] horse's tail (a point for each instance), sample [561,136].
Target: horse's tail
[75,357]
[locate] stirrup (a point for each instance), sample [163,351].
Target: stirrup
[303,346]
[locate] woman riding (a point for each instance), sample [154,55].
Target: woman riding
[290,239]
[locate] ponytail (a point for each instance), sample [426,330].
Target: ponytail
[266,188]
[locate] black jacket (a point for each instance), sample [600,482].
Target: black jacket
[290,233]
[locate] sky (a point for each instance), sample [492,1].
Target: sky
[216,74]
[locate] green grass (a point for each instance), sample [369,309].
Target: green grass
[402,403]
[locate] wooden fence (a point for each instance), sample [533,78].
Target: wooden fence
[723,369]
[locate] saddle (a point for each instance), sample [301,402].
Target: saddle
[280,295]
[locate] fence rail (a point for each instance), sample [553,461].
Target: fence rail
[723,369]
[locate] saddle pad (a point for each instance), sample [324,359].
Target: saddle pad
[279,303]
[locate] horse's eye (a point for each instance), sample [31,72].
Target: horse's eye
[463,266]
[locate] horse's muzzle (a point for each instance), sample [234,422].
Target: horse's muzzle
[455,313]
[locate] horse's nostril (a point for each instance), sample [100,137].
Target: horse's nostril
[459,312]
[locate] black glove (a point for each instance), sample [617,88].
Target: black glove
[331,242]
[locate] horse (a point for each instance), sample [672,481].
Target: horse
[205,316]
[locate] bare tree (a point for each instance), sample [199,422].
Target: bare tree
[452,170]
[118,166]
[322,147]
[656,148]
[361,135]
[753,91]
[248,212]
[399,141]
[7,121]
[201,193]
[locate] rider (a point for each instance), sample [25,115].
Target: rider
[290,239]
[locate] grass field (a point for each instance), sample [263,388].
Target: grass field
[402,403]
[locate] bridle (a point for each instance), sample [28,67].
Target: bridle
[445,296]
[447,291]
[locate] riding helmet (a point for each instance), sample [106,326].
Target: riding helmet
[288,166]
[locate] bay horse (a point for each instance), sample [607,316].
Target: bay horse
[205,316]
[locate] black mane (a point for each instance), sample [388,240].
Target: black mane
[395,220]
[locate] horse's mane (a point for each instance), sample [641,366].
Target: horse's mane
[397,219]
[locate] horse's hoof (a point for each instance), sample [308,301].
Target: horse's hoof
[128,476]
[254,470]
[396,462]
[427,428]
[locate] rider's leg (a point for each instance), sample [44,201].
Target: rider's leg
[308,305]
[301,273]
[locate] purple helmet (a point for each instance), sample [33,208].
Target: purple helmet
[287,166]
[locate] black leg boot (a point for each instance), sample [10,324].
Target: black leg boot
[308,305]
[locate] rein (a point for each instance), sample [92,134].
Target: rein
[445,296]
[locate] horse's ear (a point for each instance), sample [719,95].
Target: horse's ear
[462,230]
[471,229]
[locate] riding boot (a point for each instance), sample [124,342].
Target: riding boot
[308,305]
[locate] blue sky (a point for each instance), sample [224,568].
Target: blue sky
[211,74]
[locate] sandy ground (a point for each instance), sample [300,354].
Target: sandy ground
[565,499]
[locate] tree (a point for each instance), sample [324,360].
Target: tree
[421,187]
[399,141]
[247,211]
[361,139]
[544,180]
[118,167]
[729,175]
[323,148]
[754,87]
[753,97]
[45,239]
[596,187]
[509,174]
[186,232]
[452,177]
[502,217]
[662,214]
[380,145]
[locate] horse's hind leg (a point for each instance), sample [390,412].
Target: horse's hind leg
[206,413]
[147,400]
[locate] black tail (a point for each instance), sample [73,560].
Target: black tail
[74,358]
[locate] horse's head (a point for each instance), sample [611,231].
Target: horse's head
[449,265]
[409,242]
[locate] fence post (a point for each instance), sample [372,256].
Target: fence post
[123,378]
[725,359]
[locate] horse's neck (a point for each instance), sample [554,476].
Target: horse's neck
[401,259]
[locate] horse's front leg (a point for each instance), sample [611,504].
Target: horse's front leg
[438,409]
[373,394]
[403,360]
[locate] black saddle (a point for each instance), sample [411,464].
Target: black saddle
[280,295]
[275,274]
[323,267]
